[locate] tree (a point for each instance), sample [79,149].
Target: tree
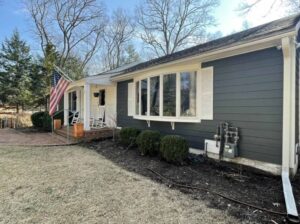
[74,27]
[167,26]
[15,63]
[292,6]
[118,35]
[131,55]
[39,86]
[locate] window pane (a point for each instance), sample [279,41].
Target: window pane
[154,96]
[188,94]
[169,96]
[137,98]
[144,97]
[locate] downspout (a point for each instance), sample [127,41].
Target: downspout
[288,130]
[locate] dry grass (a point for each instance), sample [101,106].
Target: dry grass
[76,185]
[23,118]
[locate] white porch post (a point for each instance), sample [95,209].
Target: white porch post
[87,102]
[66,107]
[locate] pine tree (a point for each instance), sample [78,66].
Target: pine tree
[131,55]
[15,66]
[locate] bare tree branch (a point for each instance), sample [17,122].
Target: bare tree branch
[292,6]
[167,26]
[75,27]
[117,37]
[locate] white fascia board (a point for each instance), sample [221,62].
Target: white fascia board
[225,52]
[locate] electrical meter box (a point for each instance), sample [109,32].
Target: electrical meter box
[230,150]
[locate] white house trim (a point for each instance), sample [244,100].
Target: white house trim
[289,106]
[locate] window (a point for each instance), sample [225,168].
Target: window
[102,97]
[144,94]
[185,96]
[154,96]
[169,95]
[188,94]
[72,101]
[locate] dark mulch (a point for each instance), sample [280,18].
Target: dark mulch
[238,182]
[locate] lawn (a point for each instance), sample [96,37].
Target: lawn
[73,184]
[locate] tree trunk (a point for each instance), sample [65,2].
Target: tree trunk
[17,108]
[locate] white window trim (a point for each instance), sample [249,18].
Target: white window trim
[177,118]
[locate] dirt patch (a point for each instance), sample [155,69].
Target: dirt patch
[234,181]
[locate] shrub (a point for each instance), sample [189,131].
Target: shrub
[42,120]
[128,136]
[148,142]
[174,148]
[37,119]
[47,122]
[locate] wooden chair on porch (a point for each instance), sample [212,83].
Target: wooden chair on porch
[98,122]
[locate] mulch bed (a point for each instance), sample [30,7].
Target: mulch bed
[235,181]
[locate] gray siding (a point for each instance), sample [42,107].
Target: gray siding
[248,92]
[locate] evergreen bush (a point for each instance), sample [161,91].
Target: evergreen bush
[128,136]
[148,142]
[42,120]
[174,149]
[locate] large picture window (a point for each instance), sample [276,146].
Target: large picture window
[175,96]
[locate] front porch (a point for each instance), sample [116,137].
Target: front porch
[93,99]
[93,134]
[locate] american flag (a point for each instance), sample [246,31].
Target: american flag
[58,87]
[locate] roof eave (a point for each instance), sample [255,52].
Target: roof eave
[235,49]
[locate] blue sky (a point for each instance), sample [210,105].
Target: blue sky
[13,15]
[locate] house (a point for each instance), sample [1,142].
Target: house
[249,80]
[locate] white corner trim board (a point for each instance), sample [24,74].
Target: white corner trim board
[289,125]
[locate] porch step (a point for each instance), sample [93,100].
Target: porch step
[94,134]
[65,133]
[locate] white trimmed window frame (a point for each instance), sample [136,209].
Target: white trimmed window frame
[177,118]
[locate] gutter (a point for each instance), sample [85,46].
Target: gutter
[290,204]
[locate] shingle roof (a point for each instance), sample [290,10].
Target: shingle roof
[118,70]
[269,29]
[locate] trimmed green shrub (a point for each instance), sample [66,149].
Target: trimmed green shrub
[37,119]
[174,149]
[47,122]
[42,120]
[128,136]
[148,142]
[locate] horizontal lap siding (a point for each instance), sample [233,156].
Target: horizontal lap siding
[247,93]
